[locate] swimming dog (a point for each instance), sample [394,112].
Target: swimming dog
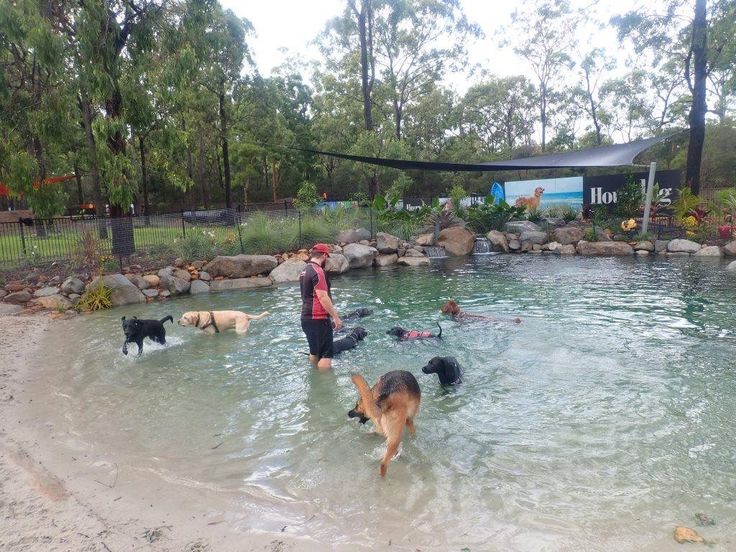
[214,322]
[409,335]
[390,404]
[136,330]
[356,314]
[350,341]
[530,203]
[459,315]
[447,369]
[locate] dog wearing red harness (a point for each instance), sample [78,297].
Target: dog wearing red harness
[411,335]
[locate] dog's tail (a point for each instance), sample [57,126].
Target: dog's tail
[165,318]
[258,316]
[440,327]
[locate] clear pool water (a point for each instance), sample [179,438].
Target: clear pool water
[601,422]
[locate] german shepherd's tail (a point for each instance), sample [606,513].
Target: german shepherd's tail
[440,327]
[165,318]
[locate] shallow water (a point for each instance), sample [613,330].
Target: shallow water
[601,422]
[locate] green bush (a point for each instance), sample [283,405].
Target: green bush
[197,245]
[265,236]
[314,230]
[590,235]
[487,216]
[306,197]
[568,213]
[629,199]
[96,298]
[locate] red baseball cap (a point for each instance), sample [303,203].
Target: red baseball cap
[321,248]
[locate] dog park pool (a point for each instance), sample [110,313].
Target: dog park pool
[601,422]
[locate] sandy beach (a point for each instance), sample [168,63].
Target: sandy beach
[53,502]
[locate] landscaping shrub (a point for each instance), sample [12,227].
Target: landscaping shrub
[96,298]
[487,216]
[265,236]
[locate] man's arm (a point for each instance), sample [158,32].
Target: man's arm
[326,302]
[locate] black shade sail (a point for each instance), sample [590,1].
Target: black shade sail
[605,156]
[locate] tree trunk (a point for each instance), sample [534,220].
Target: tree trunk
[144,181]
[274,179]
[397,118]
[80,190]
[225,154]
[202,173]
[97,198]
[365,33]
[699,52]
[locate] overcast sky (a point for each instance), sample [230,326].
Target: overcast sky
[286,27]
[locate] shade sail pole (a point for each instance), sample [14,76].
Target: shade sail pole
[648,201]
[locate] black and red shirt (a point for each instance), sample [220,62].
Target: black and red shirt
[311,279]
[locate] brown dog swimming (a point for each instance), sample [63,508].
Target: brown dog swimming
[391,404]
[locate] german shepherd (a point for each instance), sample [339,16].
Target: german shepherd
[391,404]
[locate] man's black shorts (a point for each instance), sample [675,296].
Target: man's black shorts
[319,337]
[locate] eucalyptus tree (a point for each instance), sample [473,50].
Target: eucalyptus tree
[593,66]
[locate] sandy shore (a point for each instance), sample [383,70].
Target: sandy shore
[46,504]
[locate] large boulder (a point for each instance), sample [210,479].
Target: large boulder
[419,261]
[198,286]
[240,266]
[730,249]
[337,263]
[644,245]
[72,285]
[139,281]
[386,243]
[288,271]
[6,309]
[604,248]
[152,280]
[241,283]
[353,236]
[359,256]
[386,260]
[519,226]
[568,249]
[660,246]
[533,237]
[46,292]
[683,246]
[709,251]
[18,297]
[124,292]
[731,266]
[424,239]
[176,280]
[54,302]
[567,235]
[457,241]
[498,241]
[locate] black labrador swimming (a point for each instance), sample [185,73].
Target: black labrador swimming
[357,314]
[409,335]
[447,369]
[136,331]
[350,341]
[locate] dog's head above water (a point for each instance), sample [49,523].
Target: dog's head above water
[396,331]
[131,327]
[358,333]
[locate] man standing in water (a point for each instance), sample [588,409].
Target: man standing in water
[317,308]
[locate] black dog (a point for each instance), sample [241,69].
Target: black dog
[408,335]
[350,341]
[136,330]
[356,314]
[446,368]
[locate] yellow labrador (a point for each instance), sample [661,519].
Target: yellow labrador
[216,321]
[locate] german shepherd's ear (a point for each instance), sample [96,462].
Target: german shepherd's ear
[366,397]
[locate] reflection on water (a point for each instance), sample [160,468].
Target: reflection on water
[601,421]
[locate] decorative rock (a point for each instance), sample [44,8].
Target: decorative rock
[353,236]
[731,266]
[514,245]
[53,302]
[198,286]
[519,226]
[123,290]
[704,520]
[526,246]
[241,266]
[205,276]
[709,251]
[151,293]
[198,264]
[414,252]
[180,263]
[683,246]
[6,309]
[729,249]
[661,245]
[413,261]
[74,298]
[164,293]
[152,279]
[386,243]
[138,281]
[536,248]
[241,283]
[645,245]
[359,256]
[642,252]
[14,286]
[3,293]
[425,239]
[288,271]
[604,248]
[551,246]
[337,263]
[498,241]
[566,249]
[567,235]
[457,241]
[72,285]
[685,534]
[534,237]
[18,297]
[176,280]
[46,292]
[386,260]
[677,254]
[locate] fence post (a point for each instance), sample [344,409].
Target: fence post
[286,208]
[22,237]
[370,215]
[299,215]
[240,234]
[183,228]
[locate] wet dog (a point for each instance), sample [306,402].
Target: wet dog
[350,341]
[214,322]
[136,330]
[390,404]
[357,314]
[409,335]
[447,369]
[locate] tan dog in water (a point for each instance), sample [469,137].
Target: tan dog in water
[216,321]
[391,404]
